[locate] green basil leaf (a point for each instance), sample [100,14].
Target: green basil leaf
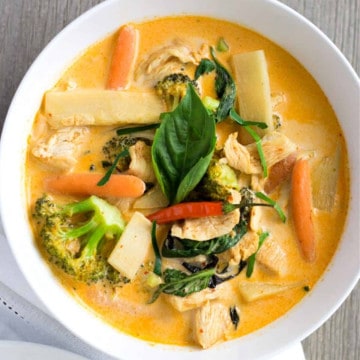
[225,89]
[206,66]
[180,284]
[185,248]
[183,147]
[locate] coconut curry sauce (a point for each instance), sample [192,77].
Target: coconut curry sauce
[300,112]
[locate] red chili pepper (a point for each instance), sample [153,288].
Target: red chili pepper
[191,210]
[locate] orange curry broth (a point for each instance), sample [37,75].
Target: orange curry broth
[308,120]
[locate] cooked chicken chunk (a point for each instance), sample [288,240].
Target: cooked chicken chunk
[238,156]
[61,150]
[141,164]
[167,60]
[280,172]
[212,324]
[255,219]
[248,244]
[206,228]
[276,147]
[242,250]
[194,300]
[272,258]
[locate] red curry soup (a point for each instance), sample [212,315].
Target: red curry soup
[187,180]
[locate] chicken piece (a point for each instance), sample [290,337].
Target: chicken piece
[244,180]
[280,172]
[141,165]
[193,300]
[276,147]
[255,218]
[212,324]
[206,228]
[61,150]
[241,251]
[166,60]
[238,156]
[248,244]
[257,183]
[210,227]
[272,258]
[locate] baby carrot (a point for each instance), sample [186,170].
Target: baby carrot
[301,206]
[119,185]
[123,58]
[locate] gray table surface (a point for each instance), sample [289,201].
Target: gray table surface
[26,26]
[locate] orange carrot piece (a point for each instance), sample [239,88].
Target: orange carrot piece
[84,184]
[123,58]
[301,206]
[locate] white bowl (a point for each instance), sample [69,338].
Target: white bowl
[278,23]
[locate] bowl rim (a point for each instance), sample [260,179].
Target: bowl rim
[38,274]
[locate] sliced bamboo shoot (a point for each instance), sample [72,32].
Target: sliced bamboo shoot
[324,181]
[256,291]
[101,107]
[253,91]
[152,199]
[133,246]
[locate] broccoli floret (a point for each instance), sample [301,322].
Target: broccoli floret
[211,103]
[79,236]
[219,179]
[172,88]
[115,146]
[217,182]
[247,201]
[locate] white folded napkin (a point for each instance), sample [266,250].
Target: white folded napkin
[23,317]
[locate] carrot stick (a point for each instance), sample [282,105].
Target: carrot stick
[302,208]
[123,58]
[119,185]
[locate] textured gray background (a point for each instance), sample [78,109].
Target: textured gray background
[26,26]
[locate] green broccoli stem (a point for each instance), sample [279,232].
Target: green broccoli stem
[79,207]
[211,103]
[174,102]
[81,230]
[92,244]
[99,225]
[91,223]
